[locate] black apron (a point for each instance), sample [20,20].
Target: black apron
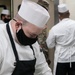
[25,67]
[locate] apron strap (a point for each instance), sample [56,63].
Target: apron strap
[33,51]
[12,42]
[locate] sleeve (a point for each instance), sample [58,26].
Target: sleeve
[0,55]
[50,41]
[41,67]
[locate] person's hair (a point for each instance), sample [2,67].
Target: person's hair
[2,15]
[64,15]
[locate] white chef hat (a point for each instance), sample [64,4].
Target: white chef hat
[34,13]
[62,8]
[5,11]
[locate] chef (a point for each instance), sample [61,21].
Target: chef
[20,52]
[62,38]
[5,16]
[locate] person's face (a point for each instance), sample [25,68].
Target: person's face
[6,18]
[31,30]
[27,34]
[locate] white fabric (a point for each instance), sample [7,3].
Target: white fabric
[5,11]
[62,8]
[34,13]
[7,57]
[62,37]
[1,22]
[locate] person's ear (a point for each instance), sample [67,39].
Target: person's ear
[18,25]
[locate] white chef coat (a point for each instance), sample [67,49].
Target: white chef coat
[7,57]
[1,22]
[62,37]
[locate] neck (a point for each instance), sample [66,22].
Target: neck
[64,18]
[13,26]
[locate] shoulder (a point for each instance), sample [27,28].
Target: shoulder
[1,22]
[72,21]
[54,28]
[2,29]
[3,34]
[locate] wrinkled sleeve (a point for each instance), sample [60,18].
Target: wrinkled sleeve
[42,67]
[50,41]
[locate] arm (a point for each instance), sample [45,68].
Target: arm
[42,67]
[51,39]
